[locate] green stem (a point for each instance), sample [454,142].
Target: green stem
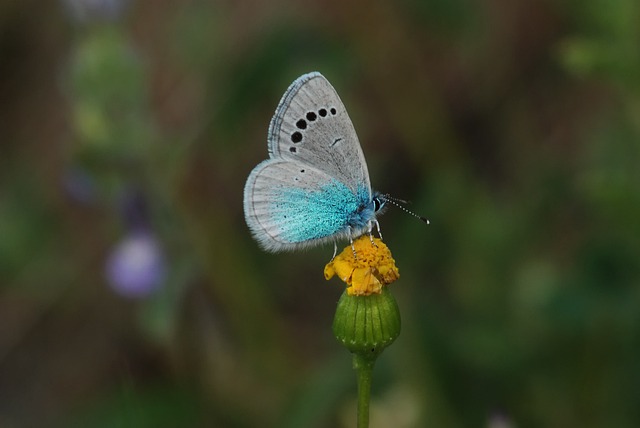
[363,365]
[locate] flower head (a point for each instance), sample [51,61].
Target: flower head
[367,272]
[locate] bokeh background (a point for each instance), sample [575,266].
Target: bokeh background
[132,295]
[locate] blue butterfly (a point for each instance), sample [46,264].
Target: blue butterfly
[314,188]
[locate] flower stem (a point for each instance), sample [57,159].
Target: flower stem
[363,365]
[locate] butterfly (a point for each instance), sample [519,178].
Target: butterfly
[315,187]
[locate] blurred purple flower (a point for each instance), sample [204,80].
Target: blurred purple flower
[136,266]
[95,10]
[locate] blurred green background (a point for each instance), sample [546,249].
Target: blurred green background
[132,295]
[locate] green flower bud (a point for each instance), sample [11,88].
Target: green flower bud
[367,324]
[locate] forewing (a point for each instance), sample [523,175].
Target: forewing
[311,125]
[289,205]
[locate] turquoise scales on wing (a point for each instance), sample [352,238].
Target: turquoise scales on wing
[331,209]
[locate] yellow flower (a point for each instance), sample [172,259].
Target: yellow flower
[366,274]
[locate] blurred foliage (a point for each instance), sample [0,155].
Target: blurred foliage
[513,126]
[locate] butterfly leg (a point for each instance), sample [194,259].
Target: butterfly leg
[378,228]
[351,241]
[371,231]
[335,250]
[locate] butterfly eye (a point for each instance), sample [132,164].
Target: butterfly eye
[377,204]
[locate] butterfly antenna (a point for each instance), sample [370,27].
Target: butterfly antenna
[400,204]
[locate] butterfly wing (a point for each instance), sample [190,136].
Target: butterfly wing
[311,126]
[289,205]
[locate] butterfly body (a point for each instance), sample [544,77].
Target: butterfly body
[314,187]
